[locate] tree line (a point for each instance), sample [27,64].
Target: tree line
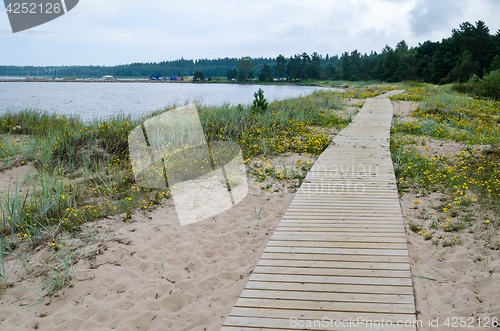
[182,67]
[470,50]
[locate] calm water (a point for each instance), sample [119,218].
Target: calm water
[90,100]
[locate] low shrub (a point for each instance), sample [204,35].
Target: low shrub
[489,86]
[467,88]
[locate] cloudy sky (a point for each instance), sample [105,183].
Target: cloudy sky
[110,32]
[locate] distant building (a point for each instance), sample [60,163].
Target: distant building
[155,78]
[107,77]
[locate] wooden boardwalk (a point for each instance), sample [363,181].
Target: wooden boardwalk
[338,259]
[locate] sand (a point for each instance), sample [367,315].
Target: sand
[153,274]
[150,273]
[470,292]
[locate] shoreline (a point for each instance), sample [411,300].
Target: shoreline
[37,80]
[189,277]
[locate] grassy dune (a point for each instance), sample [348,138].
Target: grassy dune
[81,171]
[445,154]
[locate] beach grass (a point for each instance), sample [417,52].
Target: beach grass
[467,177]
[81,170]
[82,174]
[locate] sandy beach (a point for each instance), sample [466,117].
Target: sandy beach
[150,273]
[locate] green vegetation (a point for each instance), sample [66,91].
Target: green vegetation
[471,50]
[276,177]
[259,103]
[487,87]
[245,69]
[96,153]
[198,76]
[291,125]
[265,74]
[467,178]
[82,172]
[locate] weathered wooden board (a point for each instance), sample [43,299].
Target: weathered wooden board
[340,251]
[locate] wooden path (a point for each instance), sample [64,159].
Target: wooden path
[339,255]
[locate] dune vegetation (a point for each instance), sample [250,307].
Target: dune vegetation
[466,170]
[445,154]
[80,172]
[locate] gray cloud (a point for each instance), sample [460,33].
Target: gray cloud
[117,31]
[432,15]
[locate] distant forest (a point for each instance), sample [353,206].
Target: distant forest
[471,50]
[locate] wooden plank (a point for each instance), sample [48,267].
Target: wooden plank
[344,215]
[341,236]
[337,155]
[378,174]
[332,280]
[364,170]
[361,229]
[317,271]
[348,192]
[270,324]
[341,200]
[328,189]
[298,327]
[377,178]
[375,226]
[331,288]
[339,225]
[322,191]
[343,203]
[336,257]
[330,206]
[381,223]
[345,199]
[359,242]
[330,232]
[282,317]
[368,186]
[349,218]
[319,190]
[343,211]
[334,264]
[329,296]
[327,306]
[381,182]
[327,208]
[345,193]
[333,190]
[346,251]
[337,244]
[304,200]
[340,250]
